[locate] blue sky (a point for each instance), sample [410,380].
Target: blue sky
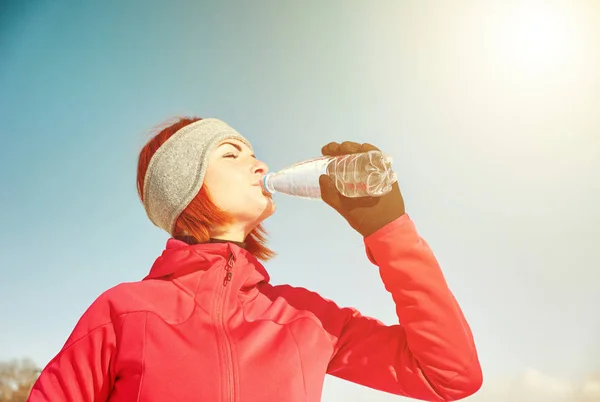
[490,111]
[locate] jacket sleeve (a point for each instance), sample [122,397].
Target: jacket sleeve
[430,355]
[81,371]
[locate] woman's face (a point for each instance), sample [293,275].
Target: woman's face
[233,179]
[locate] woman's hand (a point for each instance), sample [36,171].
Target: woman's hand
[365,214]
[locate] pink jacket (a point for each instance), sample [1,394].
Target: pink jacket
[206,325]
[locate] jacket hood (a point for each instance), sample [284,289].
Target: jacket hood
[179,259]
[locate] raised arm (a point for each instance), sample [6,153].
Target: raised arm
[430,354]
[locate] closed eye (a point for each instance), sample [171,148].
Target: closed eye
[230,155]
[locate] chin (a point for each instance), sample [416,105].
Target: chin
[269,209]
[260,213]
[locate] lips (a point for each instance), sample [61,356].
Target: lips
[259,183]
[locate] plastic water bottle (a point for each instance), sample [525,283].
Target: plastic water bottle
[367,174]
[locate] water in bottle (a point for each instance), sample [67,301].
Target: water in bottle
[367,174]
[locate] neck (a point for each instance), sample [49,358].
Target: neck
[232,233]
[238,243]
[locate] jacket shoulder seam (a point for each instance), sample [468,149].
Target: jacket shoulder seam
[94,329]
[70,345]
[87,334]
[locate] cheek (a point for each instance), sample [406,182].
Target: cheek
[227,192]
[225,195]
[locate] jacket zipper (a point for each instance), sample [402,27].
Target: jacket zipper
[228,268]
[228,356]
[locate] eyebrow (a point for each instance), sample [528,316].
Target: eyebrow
[236,146]
[232,144]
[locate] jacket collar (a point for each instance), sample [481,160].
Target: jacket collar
[180,259]
[191,241]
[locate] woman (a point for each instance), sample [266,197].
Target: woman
[206,324]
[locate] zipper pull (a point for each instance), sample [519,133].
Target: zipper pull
[227,278]
[228,268]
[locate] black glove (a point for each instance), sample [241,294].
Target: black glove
[365,214]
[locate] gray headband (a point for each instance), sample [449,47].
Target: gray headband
[176,170]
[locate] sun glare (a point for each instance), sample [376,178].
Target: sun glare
[535,39]
[541,35]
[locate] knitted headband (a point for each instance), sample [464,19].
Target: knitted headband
[176,170]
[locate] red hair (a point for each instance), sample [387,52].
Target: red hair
[201,214]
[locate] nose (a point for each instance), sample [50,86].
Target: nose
[260,168]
